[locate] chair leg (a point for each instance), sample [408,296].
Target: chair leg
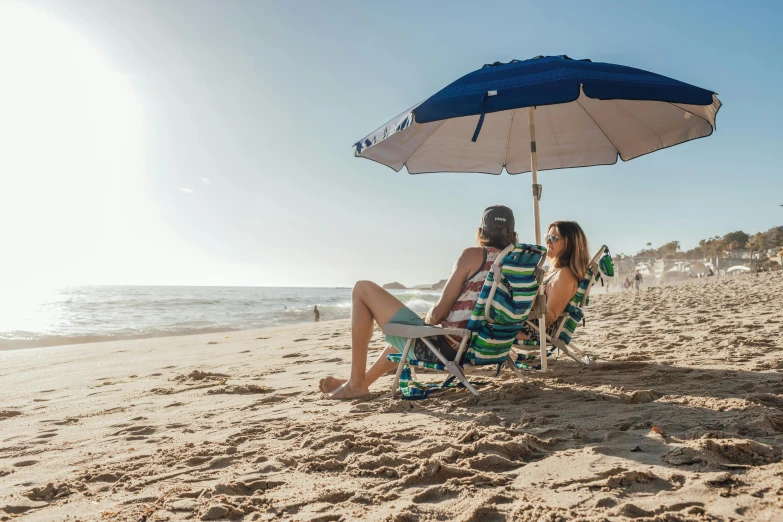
[576,348]
[451,366]
[516,370]
[584,361]
[396,383]
[541,340]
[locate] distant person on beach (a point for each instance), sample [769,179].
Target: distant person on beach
[371,303]
[317,314]
[569,256]
[627,284]
[637,280]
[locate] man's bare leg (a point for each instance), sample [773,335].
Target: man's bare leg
[379,368]
[370,303]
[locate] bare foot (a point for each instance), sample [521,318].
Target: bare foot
[347,391]
[329,384]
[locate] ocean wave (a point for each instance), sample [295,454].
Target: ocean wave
[92,314]
[40,341]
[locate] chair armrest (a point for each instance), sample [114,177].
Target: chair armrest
[416,332]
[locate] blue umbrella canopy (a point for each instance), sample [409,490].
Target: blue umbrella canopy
[585,113]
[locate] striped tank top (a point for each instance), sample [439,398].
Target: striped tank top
[460,313]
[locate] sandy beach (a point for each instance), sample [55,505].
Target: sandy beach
[680,418]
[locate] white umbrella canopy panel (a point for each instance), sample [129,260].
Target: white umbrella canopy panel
[581,133]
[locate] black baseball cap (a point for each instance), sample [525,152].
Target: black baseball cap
[498,217]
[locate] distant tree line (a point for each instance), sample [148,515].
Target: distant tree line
[728,245]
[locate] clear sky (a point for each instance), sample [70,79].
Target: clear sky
[210,142]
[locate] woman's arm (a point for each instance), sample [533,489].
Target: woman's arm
[559,291]
[469,261]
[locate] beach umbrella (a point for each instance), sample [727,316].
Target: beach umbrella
[549,112]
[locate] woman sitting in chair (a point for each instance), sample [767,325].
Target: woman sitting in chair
[453,309]
[569,258]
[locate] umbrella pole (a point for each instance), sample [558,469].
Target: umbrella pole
[541,300]
[531,121]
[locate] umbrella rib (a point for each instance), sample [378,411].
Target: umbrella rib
[599,128]
[422,143]
[691,113]
[508,138]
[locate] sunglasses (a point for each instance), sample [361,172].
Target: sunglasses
[551,239]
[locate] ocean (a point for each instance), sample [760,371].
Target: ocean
[105,313]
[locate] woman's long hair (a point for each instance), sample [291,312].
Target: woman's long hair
[576,254]
[498,238]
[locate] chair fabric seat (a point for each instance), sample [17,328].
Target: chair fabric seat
[397,357]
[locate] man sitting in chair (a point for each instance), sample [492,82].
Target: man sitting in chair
[371,303]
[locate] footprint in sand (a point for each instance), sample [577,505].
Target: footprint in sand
[302,339]
[294,355]
[270,399]
[435,494]
[49,492]
[7,414]
[186,504]
[25,463]
[135,432]
[197,375]
[336,496]
[244,488]
[240,389]
[64,422]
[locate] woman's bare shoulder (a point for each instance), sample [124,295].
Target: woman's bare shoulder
[567,275]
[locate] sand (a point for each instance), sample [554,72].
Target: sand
[680,418]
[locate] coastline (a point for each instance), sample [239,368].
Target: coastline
[76,315]
[681,416]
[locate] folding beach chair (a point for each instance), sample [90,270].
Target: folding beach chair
[503,306]
[560,333]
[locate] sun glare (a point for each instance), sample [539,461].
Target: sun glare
[72,153]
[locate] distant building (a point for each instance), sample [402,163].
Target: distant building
[624,266]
